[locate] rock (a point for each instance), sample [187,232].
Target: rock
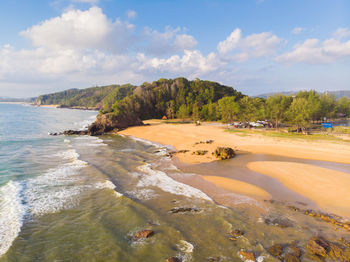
[323,248]
[294,250]
[183,151]
[318,246]
[276,250]
[173,259]
[224,153]
[247,256]
[75,132]
[108,122]
[200,152]
[291,258]
[143,234]
[236,233]
[183,209]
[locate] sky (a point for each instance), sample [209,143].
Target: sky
[255,46]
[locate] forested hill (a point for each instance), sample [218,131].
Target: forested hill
[93,97]
[337,94]
[174,98]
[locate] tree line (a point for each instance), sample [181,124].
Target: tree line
[210,101]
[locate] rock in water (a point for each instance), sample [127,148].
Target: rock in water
[247,256]
[318,246]
[224,153]
[276,250]
[143,234]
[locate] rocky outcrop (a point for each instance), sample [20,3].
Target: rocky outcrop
[224,153]
[104,123]
[109,122]
[247,256]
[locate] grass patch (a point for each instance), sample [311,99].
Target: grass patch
[277,134]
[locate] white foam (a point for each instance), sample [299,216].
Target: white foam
[91,141]
[70,154]
[12,212]
[56,189]
[107,185]
[144,193]
[185,246]
[163,181]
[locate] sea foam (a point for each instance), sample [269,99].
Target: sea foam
[12,212]
[152,177]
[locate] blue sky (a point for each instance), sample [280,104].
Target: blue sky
[256,46]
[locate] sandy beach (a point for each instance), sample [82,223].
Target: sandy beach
[326,187]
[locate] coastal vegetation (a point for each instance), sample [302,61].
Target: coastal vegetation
[202,100]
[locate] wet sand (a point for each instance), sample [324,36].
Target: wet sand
[330,189]
[268,178]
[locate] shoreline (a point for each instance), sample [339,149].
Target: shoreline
[192,138]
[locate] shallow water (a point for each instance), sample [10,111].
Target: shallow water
[82,198]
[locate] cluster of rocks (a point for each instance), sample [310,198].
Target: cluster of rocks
[176,210]
[200,152]
[321,248]
[328,218]
[287,253]
[209,141]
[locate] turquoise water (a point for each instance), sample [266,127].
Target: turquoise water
[82,198]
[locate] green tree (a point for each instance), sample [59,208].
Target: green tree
[183,112]
[228,109]
[299,113]
[276,108]
[195,112]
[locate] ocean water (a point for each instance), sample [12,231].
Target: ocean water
[82,198]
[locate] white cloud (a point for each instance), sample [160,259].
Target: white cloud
[254,45]
[342,33]
[313,51]
[231,42]
[76,29]
[298,30]
[131,13]
[170,41]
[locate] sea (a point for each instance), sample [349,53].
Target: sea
[83,198]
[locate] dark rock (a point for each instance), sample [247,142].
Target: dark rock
[224,153]
[183,209]
[276,250]
[183,151]
[143,234]
[245,255]
[108,122]
[173,259]
[75,132]
[200,152]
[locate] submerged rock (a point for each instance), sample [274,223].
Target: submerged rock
[183,209]
[143,234]
[173,259]
[276,250]
[224,153]
[247,256]
[235,234]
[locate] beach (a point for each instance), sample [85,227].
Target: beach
[327,187]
